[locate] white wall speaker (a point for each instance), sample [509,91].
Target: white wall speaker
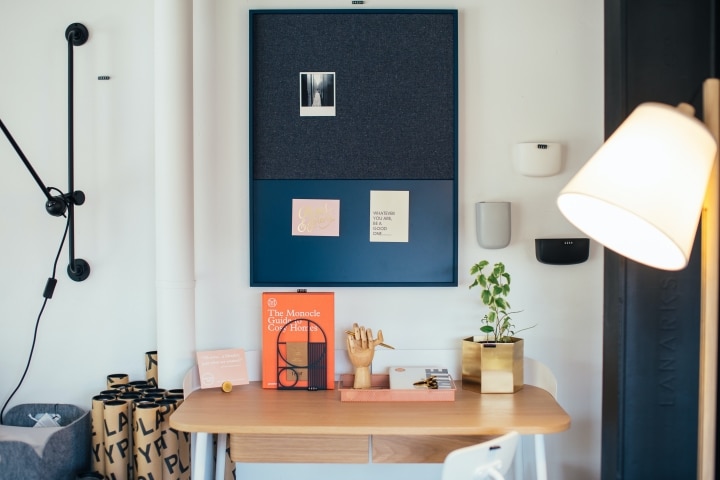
[537,159]
[492,224]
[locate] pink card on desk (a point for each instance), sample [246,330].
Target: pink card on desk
[218,366]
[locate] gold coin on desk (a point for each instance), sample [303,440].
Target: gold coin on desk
[226,386]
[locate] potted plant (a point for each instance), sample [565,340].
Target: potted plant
[493,361]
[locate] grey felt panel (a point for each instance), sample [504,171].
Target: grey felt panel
[395,95]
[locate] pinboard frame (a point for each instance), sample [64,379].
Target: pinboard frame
[353,147]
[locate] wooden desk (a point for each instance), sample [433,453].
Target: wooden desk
[316,427]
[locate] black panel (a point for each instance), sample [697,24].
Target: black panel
[654,51]
[562,251]
[394,93]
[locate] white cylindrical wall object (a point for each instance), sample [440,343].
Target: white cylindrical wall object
[205,128]
[175,273]
[492,224]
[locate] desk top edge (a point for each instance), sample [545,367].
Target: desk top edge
[529,411]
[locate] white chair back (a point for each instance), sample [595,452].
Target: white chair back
[191,382]
[486,460]
[539,375]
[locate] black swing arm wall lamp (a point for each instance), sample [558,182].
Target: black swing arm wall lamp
[58,205]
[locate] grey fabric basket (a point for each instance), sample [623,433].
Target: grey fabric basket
[66,451]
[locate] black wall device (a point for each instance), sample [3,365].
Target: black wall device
[562,251]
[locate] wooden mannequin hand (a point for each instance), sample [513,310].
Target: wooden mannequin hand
[361,350]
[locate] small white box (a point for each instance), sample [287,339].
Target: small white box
[537,159]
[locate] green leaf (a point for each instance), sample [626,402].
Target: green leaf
[485,295]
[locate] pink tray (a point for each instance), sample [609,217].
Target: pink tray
[380,392]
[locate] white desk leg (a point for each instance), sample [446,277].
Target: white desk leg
[201,467]
[519,461]
[220,456]
[540,457]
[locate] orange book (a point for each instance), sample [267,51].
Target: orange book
[298,340]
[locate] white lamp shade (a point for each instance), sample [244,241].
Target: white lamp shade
[642,192]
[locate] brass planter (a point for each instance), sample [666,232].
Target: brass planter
[492,367]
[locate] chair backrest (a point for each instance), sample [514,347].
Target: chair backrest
[191,381]
[539,375]
[490,459]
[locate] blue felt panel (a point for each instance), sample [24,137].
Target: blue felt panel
[279,258]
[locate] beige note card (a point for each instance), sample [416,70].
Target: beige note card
[389,216]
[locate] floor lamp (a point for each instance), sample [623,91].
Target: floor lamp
[642,195]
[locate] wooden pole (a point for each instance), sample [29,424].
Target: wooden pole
[710,253]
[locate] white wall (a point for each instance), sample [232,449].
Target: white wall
[529,71]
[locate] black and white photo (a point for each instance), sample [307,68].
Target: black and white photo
[317,94]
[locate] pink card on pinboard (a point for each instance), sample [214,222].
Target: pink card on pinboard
[315,217]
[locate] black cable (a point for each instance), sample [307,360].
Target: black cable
[49,287]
